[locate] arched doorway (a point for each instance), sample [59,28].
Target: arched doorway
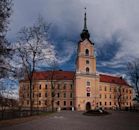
[88,106]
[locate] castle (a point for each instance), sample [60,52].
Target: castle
[82,90]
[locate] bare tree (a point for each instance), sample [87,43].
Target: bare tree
[6,101]
[33,50]
[119,96]
[133,73]
[5,12]
[54,65]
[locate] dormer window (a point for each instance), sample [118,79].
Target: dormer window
[87,52]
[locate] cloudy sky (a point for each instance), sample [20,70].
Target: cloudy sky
[113,26]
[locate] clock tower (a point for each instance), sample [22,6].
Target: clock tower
[86,83]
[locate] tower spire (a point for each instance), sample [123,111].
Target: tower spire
[85,34]
[85,19]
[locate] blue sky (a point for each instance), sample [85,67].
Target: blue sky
[113,26]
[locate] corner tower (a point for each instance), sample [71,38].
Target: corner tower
[86,82]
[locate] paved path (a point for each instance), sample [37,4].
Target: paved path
[67,120]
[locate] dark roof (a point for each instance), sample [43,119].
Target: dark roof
[69,75]
[54,75]
[112,79]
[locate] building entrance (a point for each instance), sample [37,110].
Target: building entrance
[88,106]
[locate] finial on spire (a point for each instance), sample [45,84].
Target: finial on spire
[85,34]
[85,25]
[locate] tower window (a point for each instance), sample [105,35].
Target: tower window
[87,52]
[88,94]
[87,61]
[88,83]
[87,70]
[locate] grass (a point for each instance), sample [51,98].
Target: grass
[4,123]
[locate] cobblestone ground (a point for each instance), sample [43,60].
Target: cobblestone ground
[68,120]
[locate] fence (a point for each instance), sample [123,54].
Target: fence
[11,114]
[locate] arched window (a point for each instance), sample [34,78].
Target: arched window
[87,61]
[87,52]
[87,70]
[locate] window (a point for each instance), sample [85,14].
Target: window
[64,86]
[100,88]
[33,95]
[100,103]
[39,102]
[33,86]
[105,88]
[70,95]
[88,83]
[45,86]
[87,61]
[110,89]
[64,103]
[45,102]
[58,95]
[71,86]
[110,103]
[105,96]
[64,95]
[123,90]
[70,103]
[27,102]
[39,94]
[110,96]
[40,86]
[58,86]
[58,103]
[87,52]
[87,70]
[100,96]
[105,103]
[88,94]
[45,94]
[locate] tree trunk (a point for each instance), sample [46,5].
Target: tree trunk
[30,97]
